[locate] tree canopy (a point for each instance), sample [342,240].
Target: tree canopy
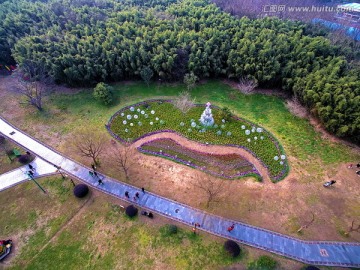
[84,42]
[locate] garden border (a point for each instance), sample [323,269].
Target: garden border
[279,147]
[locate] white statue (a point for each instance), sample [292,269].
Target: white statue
[206,118]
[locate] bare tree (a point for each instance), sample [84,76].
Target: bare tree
[296,108]
[247,86]
[33,83]
[184,102]
[90,144]
[307,224]
[214,188]
[353,229]
[124,158]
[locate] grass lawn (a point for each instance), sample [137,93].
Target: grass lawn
[59,231]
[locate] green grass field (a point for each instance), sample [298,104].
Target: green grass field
[296,135]
[94,233]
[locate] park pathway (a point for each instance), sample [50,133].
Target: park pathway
[18,175]
[310,252]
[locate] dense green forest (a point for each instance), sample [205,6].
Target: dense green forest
[81,42]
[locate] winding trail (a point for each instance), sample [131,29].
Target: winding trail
[310,252]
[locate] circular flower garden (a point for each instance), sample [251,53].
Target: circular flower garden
[139,120]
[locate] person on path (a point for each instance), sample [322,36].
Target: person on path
[231,228]
[194,230]
[127,194]
[358,165]
[31,167]
[350,166]
[91,173]
[358,173]
[31,173]
[95,173]
[100,182]
[143,190]
[93,167]
[137,195]
[134,198]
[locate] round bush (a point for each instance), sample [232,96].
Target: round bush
[131,211]
[171,229]
[263,263]
[232,248]
[81,190]
[310,267]
[24,159]
[103,93]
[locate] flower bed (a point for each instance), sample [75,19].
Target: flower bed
[136,121]
[227,166]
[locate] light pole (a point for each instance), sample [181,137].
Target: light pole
[32,178]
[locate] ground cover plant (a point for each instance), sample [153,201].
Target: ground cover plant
[154,116]
[227,166]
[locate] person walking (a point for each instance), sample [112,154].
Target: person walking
[137,195]
[231,228]
[143,190]
[127,194]
[91,173]
[95,173]
[100,182]
[31,167]
[93,167]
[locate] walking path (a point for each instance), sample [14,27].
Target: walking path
[311,252]
[17,176]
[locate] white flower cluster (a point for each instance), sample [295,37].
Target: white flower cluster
[140,112]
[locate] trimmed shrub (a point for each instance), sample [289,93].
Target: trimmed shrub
[131,211]
[310,267]
[232,248]
[263,263]
[103,93]
[81,190]
[171,229]
[24,159]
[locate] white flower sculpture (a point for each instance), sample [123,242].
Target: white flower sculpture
[136,116]
[128,116]
[142,112]
[131,124]
[124,122]
[282,157]
[259,130]
[193,124]
[132,109]
[152,112]
[157,118]
[243,127]
[276,158]
[151,123]
[247,132]
[206,118]
[122,114]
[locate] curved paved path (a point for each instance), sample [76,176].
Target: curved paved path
[311,252]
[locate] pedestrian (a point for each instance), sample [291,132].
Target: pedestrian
[143,190]
[197,225]
[91,173]
[31,173]
[332,182]
[134,198]
[194,230]
[100,182]
[150,215]
[95,173]
[231,228]
[358,172]
[127,194]
[137,195]
[28,153]
[350,166]
[93,167]
[358,165]
[31,167]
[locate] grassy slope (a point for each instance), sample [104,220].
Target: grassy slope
[99,236]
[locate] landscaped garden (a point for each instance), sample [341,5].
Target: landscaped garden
[155,116]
